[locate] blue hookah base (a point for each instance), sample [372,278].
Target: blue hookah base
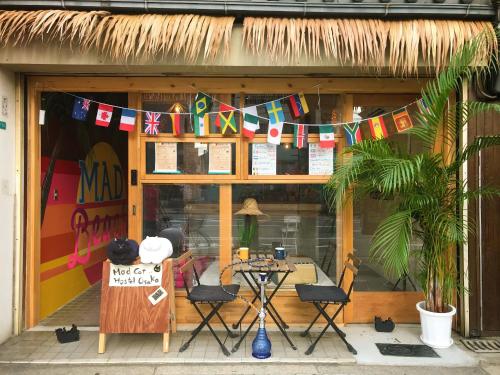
[261,346]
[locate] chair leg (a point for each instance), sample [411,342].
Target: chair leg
[205,322]
[332,324]
[229,332]
[305,333]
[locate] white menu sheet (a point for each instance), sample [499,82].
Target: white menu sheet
[219,158]
[320,160]
[263,159]
[166,157]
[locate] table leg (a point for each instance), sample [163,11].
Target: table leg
[268,299]
[237,345]
[235,325]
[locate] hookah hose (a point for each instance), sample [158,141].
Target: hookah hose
[249,262]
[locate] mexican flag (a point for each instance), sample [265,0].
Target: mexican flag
[326,136]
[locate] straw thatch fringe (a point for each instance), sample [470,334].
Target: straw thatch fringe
[368,43]
[122,37]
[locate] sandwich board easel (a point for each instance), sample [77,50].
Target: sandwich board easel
[128,309]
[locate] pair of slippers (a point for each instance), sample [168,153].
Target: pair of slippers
[384,325]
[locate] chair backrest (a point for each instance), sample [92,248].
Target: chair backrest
[352,265]
[186,262]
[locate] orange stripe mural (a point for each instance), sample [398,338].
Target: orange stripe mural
[86,207]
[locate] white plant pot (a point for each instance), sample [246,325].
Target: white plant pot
[436,327]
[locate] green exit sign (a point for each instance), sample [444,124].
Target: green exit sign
[3,125]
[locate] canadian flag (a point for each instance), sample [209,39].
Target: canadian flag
[104,113]
[274,133]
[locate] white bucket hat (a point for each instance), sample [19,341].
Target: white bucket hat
[155,250]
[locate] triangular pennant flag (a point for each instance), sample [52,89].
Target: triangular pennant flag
[202,104]
[326,136]
[300,136]
[377,127]
[201,124]
[402,120]
[222,108]
[274,133]
[127,120]
[250,122]
[352,133]
[176,124]
[152,123]
[80,109]
[104,113]
[275,111]
[298,105]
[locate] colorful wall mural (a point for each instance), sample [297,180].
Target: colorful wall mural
[84,205]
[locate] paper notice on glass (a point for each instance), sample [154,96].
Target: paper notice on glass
[166,157]
[219,158]
[201,147]
[263,159]
[320,160]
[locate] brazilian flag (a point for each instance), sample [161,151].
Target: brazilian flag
[202,104]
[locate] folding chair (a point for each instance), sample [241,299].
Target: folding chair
[322,296]
[212,295]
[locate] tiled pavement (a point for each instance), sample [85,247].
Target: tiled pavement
[42,347]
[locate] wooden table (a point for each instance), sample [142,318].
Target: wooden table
[257,264]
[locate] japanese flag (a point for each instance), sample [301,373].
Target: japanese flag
[104,113]
[274,133]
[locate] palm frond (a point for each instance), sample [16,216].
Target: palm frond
[391,243]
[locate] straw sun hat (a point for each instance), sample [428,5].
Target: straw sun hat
[250,207]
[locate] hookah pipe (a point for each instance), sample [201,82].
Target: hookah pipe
[261,345]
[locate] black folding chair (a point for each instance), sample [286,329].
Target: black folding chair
[322,296]
[212,295]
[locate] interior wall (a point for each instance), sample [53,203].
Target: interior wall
[84,197]
[7,198]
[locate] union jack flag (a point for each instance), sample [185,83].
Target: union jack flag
[152,122]
[86,104]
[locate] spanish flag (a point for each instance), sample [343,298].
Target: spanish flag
[377,127]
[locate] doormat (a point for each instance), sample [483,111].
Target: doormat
[405,350]
[482,345]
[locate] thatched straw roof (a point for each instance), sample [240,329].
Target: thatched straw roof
[122,37]
[401,45]
[365,43]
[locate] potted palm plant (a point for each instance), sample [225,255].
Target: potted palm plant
[427,190]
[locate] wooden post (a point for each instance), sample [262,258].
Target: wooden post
[134,157]
[345,213]
[225,230]
[32,314]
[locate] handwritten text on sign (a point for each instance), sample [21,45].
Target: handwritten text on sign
[137,275]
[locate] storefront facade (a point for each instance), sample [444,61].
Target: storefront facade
[202,203]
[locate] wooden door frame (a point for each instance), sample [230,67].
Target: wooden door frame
[134,86]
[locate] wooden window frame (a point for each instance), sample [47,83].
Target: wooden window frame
[135,86]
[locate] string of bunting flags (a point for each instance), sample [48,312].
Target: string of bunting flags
[225,120]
